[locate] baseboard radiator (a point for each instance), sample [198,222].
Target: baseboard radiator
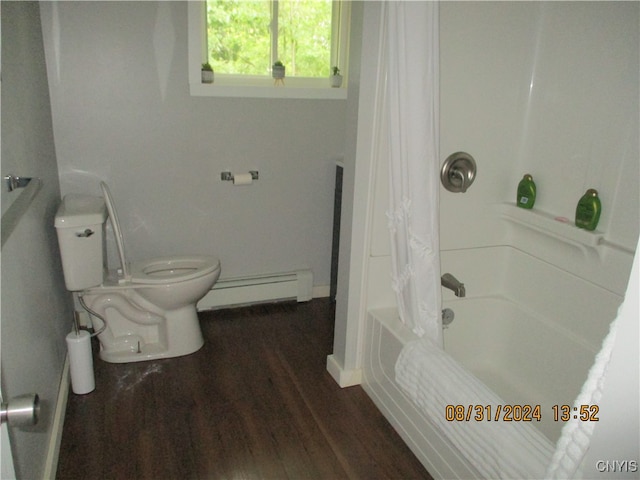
[231,292]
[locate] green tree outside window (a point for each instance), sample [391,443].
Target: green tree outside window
[239,36]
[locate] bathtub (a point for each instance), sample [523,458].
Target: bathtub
[527,330]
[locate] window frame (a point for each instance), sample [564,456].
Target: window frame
[262,86]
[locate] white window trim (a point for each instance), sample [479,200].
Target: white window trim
[254,86]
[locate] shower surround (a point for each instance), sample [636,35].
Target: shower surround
[546,88]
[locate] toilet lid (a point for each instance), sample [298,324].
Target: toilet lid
[165,270]
[115,224]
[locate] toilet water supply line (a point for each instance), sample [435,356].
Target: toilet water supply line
[92,312]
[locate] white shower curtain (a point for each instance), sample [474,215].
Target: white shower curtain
[409,136]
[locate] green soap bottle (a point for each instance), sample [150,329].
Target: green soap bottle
[588,210]
[526,192]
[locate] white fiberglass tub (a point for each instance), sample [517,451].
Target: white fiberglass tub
[519,355]
[527,331]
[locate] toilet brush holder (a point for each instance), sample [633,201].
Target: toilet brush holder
[80,362]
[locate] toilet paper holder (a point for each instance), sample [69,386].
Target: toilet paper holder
[14,181]
[228,176]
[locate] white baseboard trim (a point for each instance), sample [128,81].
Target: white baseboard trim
[344,378]
[53,450]
[320,291]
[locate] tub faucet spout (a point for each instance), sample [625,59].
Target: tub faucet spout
[452,283]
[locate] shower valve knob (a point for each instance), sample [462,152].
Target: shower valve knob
[458,172]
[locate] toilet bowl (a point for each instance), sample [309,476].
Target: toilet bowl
[174,282]
[148,307]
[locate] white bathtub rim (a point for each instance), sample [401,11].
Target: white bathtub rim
[435,451]
[498,449]
[441,458]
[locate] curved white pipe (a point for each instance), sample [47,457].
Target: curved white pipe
[116,228]
[125,307]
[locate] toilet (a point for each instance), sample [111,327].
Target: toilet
[145,310]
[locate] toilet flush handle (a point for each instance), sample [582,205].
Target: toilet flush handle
[87,233]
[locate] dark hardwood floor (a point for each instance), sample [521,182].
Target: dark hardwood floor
[255,402]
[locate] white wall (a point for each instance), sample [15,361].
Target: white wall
[551,89]
[344,357]
[122,113]
[36,308]
[547,88]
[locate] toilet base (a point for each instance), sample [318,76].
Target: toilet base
[150,351]
[183,337]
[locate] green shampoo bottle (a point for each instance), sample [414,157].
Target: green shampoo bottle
[588,210]
[526,196]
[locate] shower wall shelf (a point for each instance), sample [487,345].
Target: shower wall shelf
[548,224]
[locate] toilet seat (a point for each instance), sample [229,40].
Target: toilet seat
[166,270]
[161,270]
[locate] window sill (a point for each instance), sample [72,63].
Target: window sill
[272,91]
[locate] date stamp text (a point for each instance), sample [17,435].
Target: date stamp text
[518,413]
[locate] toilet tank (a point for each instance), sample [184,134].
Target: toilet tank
[80,224]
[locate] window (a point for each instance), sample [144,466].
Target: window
[242,39]
[247,37]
